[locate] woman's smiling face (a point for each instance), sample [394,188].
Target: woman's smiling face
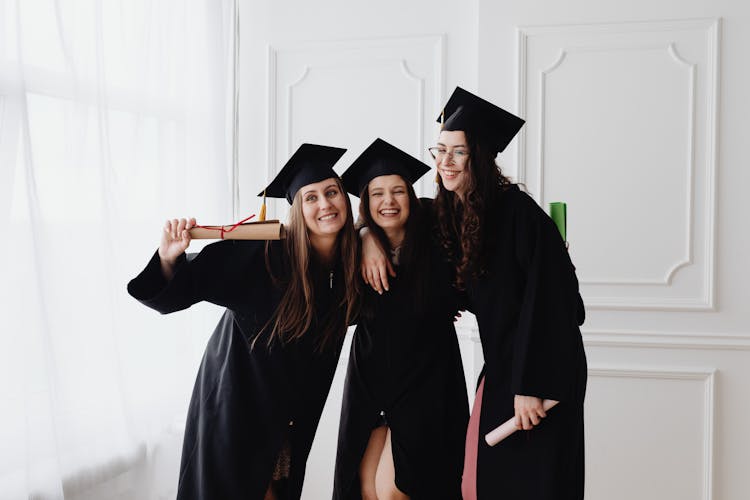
[452,161]
[389,201]
[323,207]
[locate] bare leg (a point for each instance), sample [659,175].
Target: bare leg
[385,478]
[369,464]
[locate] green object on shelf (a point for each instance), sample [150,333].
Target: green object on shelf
[558,212]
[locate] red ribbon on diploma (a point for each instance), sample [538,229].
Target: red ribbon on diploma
[231,228]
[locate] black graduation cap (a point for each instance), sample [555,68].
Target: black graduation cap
[310,163]
[468,112]
[381,158]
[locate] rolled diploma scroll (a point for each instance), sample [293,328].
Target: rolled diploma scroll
[509,426]
[266,230]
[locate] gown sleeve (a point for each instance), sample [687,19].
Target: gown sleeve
[547,347]
[219,274]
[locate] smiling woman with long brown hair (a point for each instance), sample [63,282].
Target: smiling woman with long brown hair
[268,366]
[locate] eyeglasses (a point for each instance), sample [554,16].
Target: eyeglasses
[439,152]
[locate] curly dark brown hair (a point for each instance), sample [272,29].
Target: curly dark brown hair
[461,221]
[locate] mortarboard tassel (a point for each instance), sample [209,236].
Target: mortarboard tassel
[262,216]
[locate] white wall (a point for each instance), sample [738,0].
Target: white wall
[636,116]
[343,73]
[667,334]
[370,58]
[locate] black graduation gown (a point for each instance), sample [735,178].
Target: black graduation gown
[528,311]
[407,364]
[245,399]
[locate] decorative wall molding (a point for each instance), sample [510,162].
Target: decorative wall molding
[666,340]
[696,257]
[390,53]
[705,375]
[646,303]
[420,83]
[290,107]
[401,64]
[640,339]
[272,166]
[661,25]
[686,257]
[271,162]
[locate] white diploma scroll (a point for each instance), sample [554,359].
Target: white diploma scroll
[509,426]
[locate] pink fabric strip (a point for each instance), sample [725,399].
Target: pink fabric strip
[469,480]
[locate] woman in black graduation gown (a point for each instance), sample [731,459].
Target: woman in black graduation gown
[405,407]
[522,288]
[268,366]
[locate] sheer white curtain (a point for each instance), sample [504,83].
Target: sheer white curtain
[114,115]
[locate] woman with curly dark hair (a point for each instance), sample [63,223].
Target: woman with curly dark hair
[521,285]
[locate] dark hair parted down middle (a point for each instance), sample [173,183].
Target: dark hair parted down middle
[460,223]
[412,256]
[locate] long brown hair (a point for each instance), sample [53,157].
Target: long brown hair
[413,259]
[296,311]
[462,223]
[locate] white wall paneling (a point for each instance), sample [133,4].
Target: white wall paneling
[666,340]
[621,120]
[347,93]
[639,419]
[622,124]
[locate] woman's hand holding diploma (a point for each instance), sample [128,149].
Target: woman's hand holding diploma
[529,411]
[530,408]
[174,241]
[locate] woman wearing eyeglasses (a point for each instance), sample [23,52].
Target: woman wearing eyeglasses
[269,364]
[405,408]
[521,285]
